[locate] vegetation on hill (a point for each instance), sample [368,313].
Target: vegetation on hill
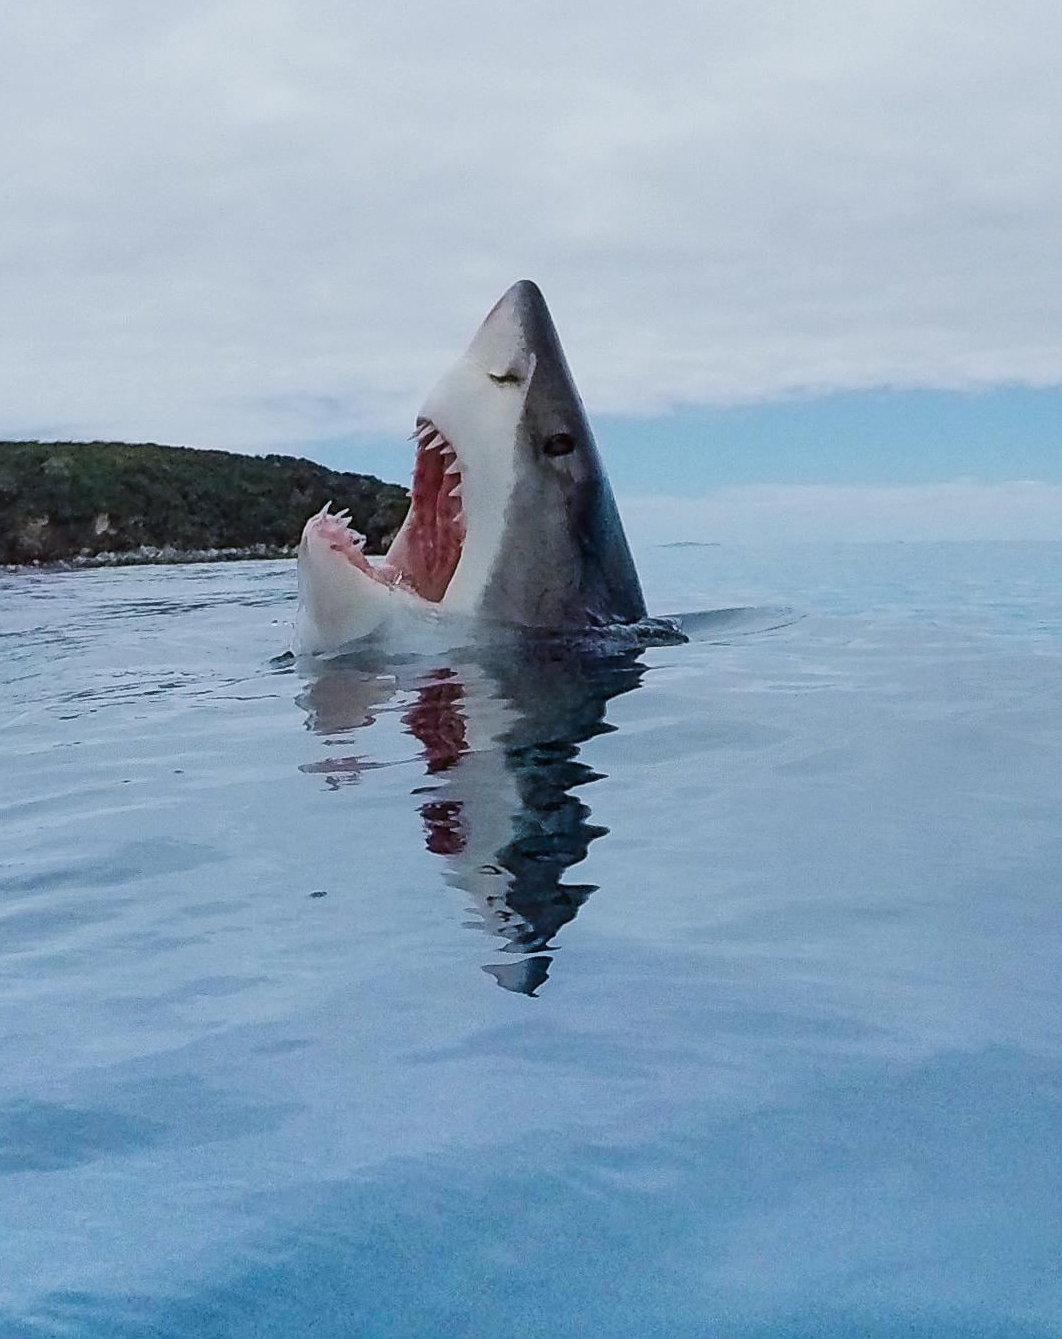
[62,501]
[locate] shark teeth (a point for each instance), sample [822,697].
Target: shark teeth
[429,438]
[341,521]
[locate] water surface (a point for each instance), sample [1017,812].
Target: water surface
[711,991]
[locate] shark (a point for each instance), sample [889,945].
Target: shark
[512,520]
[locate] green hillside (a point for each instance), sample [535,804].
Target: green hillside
[61,501]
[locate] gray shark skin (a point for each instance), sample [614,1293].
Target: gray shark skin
[565,562]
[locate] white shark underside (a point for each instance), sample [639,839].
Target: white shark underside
[512,519]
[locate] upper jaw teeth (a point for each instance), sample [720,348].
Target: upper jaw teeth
[429,438]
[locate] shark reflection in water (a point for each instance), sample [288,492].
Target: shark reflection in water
[500,743]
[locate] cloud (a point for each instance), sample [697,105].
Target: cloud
[774,513]
[247,222]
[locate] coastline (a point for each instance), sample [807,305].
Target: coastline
[71,505]
[148,555]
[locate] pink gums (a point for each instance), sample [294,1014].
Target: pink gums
[427,549]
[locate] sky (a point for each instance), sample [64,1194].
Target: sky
[805,257]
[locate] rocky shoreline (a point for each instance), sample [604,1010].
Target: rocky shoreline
[148,555]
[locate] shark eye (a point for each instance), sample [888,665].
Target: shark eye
[505,378]
[560,444]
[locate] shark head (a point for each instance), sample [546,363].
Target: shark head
[512,516]
[540,540]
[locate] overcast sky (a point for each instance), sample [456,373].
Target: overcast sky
[785,243]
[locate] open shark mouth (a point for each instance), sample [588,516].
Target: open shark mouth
[424,557]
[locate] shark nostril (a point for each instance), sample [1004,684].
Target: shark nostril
[560,444]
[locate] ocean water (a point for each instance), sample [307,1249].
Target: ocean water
[715,991]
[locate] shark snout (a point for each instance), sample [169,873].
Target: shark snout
[522,302]
[516,334]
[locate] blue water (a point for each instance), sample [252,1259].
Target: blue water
[712,992]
